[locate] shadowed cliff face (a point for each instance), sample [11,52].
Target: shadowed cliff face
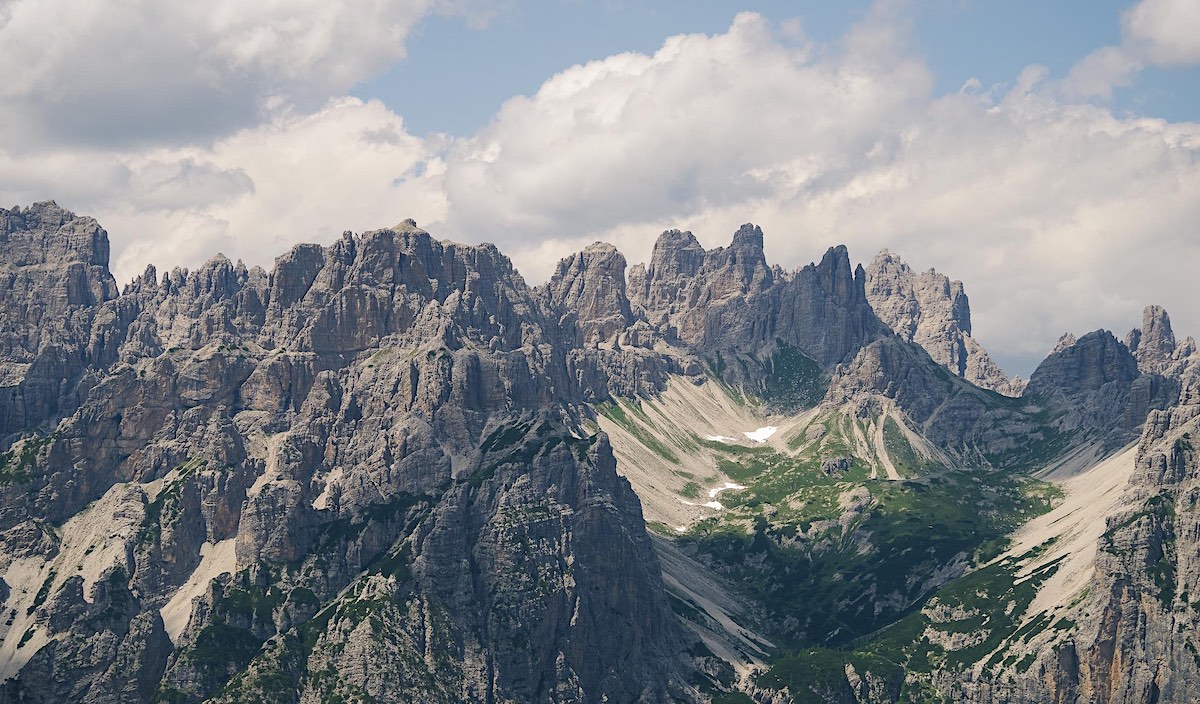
[1096,382]
[728,301]
[361,474]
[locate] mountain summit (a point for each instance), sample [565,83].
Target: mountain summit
[390,470]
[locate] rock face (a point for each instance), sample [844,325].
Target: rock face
[972,426]
[1141,644]
[1154,346]
[1137,630]
[591,285]
[55,272]
[728,301]
[373,473]
[321,482]
[931,310]
[1097,384]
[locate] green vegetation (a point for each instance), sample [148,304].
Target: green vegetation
[26,637]
[170,695]
[15,464]
[43,593]
[520,444]
[1037,448]
[166,502]
[906,460]
[793,380]
[805,674]
[224,648]
[1159,513]
[841,564]
[794,535]
[246,602]
[988,605]
[349,526]
[617,413]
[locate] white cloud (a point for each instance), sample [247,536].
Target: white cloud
[704,122]
[298,178]
[1165,30]
[1057,215]
[1153,33]
[252,195]
[120,71]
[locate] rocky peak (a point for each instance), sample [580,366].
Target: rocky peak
[676,260]
[1154,344]
[683,279]
[591,285]
[933,311]
[1065,341]
[1096,384]
[1087,364]
[741,268]
[55,277]
[749,239]
[74,250]
[836,276]
[46,233]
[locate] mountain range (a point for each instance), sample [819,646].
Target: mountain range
[389,470]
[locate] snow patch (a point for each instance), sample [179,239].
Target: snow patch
[761,434]
[712,493]
[711,504]
[717,438]
[215,560]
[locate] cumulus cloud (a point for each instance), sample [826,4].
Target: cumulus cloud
[252,195]
[704,122]
[119,71]
[1153,33]
[299,177]
[1056,213]
[1165,30]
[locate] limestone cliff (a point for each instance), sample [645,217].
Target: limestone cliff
[931,310]
[366,466]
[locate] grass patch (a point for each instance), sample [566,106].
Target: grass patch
[15,464]
[908,461]
[616,412]
[831,555]
[792,380]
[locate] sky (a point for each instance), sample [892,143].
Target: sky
[1046,154]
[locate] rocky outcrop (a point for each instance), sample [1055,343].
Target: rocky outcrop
[974,426]
[1154,345]
[355,422]
[1096,386]
[55,272]
[748,322]
[1136,630]
[931,310]
[108,649]
[590,286]
[504,591]
[372,472]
